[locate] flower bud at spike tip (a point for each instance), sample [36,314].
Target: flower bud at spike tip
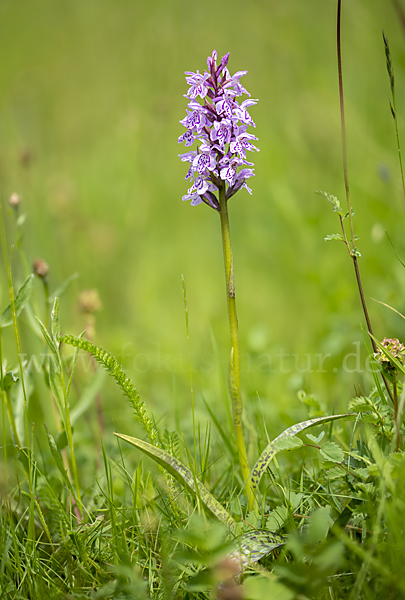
[219,125]
[40,268]
[89,301]
[14,200]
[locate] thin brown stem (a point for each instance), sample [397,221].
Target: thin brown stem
[346,178]
[342,120]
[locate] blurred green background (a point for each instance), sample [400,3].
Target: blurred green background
[91,94]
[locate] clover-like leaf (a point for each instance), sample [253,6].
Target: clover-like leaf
[333,452]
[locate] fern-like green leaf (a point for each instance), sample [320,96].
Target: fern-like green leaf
[183,475]
[271,450]
[110,363]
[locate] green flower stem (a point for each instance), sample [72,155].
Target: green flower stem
[397,423]
[235,352]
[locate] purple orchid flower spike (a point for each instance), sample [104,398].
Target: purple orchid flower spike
[218,125]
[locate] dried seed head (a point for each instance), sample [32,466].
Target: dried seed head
[40,268]
[89,301]
[14,200]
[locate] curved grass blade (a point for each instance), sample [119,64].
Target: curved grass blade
[279,444]
[20,300]
[183,475]
[252,546]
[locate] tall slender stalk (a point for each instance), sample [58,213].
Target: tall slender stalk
[393,108]
[234,369]
[352,249]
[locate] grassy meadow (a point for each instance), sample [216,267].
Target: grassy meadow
[91,94]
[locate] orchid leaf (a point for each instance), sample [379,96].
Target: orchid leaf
[183,475]
[252,546]
[281,442]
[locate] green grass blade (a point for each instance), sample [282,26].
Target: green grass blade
[21,299]
[55,322]
[61,289]
[59,461]
[271,450]
[226,437]
[88,396]
[56,385]
[183,475]
[51,344]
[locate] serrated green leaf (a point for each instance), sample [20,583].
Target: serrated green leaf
[21,299]
[333,452]
[335,472]
[315,439]
[271,450]
[288,443]
[330,198]
[55,322]
[252,546]
[360,404]
[277,518]
[58,460]
[183,475]
[334,237]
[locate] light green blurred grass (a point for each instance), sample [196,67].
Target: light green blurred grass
[93,91]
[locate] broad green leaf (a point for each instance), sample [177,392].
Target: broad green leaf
[183,475]
[252,546]
[9,379]
[288,443]
[58,460]
[262,587]
[333,452]
[55,322]
[21,299]
[277,518]
[271,450]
